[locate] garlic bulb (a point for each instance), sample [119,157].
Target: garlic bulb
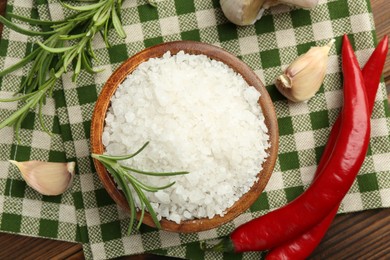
[304,77]
[48,178]
[246,12]
[242,12]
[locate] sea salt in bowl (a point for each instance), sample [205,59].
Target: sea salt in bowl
[188,223]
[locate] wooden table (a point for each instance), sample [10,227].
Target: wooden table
[362,235]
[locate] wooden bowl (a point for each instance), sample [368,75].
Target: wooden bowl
[212,52]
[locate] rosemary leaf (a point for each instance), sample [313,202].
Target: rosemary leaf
[33,21]
[149,207]
[21,30]
[134,182]
[17,98]
[41,120]
[117,24]
[78,68]
[72,37]
[44,69]
[84,7]
[20,64]
[8,121]
[105,34]
[87,64]
[124,157]
[141,218]
[154,173]
[55,50]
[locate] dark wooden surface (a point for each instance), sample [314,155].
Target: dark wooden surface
[362,235]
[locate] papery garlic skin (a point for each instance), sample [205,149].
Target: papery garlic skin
[303,78]
[305,4]
[48,178]
[242,12]
[247,12]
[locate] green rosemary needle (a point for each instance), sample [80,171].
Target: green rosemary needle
[124,178]
[65,43]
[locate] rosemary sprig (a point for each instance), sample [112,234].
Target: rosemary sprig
[33,99]
[65,42]
[123,177]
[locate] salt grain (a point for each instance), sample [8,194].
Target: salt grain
[200,116]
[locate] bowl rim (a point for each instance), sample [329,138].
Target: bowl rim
[213,52]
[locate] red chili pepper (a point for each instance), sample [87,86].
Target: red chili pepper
[302,246]
[372,73]
[329,188]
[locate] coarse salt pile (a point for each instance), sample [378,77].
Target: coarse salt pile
[199,116]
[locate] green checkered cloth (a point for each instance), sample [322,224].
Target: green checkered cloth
[22,210]
[88,215]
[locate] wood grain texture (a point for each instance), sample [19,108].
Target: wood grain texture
[362,235]
[22,247]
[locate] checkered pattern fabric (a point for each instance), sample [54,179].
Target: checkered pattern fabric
[87,214]
[22,210]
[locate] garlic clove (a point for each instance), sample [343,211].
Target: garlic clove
[242,12]
[303,78]
[247,12]
[48,178]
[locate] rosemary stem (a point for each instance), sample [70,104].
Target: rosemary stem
[124,178]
